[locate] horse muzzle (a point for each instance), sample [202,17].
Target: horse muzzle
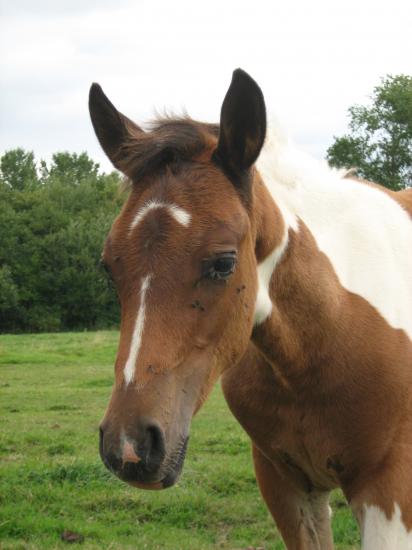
[142,461]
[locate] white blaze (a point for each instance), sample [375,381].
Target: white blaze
[130,366]
[179,214]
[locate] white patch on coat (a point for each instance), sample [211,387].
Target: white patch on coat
[366,235]
[380,533]
[130,366]
[263,305]
[179,214]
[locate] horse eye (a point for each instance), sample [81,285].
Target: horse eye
[220,267]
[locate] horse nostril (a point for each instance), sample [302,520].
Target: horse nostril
[153,448]
[110,460]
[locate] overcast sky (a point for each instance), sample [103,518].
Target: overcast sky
[312,59]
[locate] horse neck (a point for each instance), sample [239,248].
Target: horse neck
[304,293]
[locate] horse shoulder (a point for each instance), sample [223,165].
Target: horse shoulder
[258,396]
[247,386]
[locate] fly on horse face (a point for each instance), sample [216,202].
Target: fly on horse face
[237,256]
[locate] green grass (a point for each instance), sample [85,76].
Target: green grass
[53,392]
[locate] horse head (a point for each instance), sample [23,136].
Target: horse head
[182,255]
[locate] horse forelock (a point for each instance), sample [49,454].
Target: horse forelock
[169,142]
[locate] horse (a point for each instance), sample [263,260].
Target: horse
[236,256]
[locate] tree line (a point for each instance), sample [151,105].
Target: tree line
[54,217]
[53,221]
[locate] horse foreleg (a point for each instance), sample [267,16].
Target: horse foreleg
[382,504]
[303,518]
[380,532]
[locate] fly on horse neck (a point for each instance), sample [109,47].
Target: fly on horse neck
[238,256]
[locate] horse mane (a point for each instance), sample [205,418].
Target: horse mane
[169,142]
[173,140]
[291,166]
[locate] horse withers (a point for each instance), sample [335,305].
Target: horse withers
[237,255]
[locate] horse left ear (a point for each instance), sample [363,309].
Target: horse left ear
[242,125]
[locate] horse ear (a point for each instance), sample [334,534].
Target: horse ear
[112,128]
[242,124]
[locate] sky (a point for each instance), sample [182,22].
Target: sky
[312,59]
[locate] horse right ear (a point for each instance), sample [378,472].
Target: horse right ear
[242,125]
[112,128]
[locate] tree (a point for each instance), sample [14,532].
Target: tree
[18,169]
[9,296]
[71,168]
[51,237]
[379,144]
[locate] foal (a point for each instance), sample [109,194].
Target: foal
[235,255]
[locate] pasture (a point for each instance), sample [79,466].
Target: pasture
[53,392]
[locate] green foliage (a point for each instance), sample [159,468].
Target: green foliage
[54,390]
[71,168]
[52,228]
[9,296]
[18,169]
[379,144]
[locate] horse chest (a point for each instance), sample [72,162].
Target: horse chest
[301,440]
[308,437]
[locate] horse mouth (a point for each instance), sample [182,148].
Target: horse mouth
[168,481]
[137,475]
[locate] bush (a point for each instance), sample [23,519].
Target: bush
[52,229]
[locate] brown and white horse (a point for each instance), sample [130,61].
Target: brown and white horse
[236,255]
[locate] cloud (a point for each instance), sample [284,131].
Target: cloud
[51,8]
[312,61]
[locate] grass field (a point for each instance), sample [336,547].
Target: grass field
[53,392]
